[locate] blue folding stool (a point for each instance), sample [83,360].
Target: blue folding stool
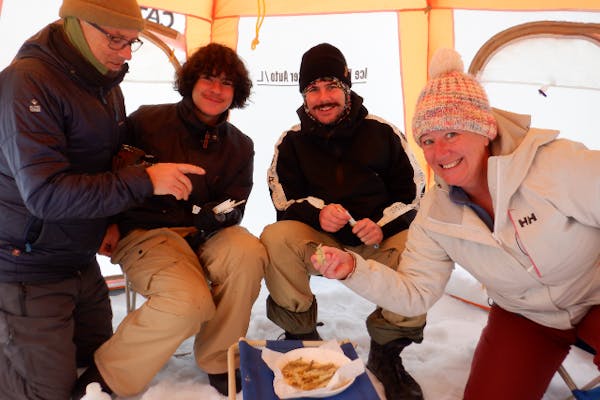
[589,392]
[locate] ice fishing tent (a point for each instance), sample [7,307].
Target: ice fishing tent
[536,57]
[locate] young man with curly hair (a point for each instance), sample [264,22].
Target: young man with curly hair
[199,271]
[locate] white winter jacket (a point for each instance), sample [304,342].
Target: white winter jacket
[542,258]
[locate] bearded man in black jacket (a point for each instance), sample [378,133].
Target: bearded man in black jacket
[342,178]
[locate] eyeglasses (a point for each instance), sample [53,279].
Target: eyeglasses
[118,42]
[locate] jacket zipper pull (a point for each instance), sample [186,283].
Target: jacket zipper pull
[102,96]
[206,138]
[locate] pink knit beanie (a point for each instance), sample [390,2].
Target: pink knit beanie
[452,100]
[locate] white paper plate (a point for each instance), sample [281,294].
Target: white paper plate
[321,356]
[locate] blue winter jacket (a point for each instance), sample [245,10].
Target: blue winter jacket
[60,126]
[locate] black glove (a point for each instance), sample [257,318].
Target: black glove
[130,155]
[207,222]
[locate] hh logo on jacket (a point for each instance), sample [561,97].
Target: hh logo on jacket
[527,220]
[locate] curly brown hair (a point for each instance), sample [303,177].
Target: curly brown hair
[215,59]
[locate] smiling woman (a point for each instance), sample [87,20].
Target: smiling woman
[455,138]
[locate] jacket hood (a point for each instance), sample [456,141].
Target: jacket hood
[513,155]
[512,129]
[51,46]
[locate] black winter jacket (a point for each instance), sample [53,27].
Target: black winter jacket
[61,124]
[173,133]
[360,163]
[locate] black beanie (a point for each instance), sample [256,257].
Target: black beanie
[323,61]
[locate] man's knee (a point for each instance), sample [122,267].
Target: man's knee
[234,252]
[271,234]
[248,245]
[281,231]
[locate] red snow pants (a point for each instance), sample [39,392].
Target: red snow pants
[516,358]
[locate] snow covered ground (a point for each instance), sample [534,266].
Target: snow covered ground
[440,364]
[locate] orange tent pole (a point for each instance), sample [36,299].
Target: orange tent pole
[413,33]
[421,33]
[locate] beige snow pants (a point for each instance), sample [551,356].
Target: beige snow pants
[290,244]
[209,294]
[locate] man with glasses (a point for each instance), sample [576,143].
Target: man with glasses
[61,118]
[118,42]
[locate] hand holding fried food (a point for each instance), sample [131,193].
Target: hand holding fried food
[320,255]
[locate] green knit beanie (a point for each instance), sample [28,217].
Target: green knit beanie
[120,14]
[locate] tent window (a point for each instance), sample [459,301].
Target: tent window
[546,69]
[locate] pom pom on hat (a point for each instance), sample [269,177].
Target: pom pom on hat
[323,61]
[123,14]
[452,100]
[444,61]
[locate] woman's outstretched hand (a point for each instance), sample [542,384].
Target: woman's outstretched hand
[333,263]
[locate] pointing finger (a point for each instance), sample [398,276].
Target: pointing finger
[191,169]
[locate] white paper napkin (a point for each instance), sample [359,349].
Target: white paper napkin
[343,377]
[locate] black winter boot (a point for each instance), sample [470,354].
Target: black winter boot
[221,382]
[314,335]
[90,375]
[385,363]
[297,325]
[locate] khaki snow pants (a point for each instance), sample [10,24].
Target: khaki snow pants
[290,244]
[209,294]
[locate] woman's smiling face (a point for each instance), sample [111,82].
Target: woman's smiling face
[459,158]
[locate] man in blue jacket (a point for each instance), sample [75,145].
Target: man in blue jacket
[61,117]
[341,178]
